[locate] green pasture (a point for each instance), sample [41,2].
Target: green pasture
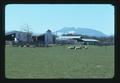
[59,62]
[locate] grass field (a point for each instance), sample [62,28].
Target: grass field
[59,62]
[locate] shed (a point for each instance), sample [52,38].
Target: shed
[90,41]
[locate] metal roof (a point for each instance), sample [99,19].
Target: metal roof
[13,32]
[90,40]
[69,37]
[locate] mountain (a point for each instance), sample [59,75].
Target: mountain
[82,31]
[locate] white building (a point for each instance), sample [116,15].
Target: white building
[76,40]
[90,41]
[68,39]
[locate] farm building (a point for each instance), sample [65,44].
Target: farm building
[23,38]
[68,39]
[18,35]
[90,41]
[76,40]
[44,39]
[48,37]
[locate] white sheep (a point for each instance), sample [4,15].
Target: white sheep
[86,47]
[71,47]
[78,47]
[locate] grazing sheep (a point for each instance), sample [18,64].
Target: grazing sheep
[71,47]
[78,47]
[86,47]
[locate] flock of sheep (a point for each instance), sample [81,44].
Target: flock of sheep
[78,47]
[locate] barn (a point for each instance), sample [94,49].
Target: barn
[17,38]
[19,35]
[90,41]
[76,40]
[68,39]
[44,39]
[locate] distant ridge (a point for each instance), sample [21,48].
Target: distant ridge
[82,31]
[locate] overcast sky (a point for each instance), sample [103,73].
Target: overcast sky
[41,17]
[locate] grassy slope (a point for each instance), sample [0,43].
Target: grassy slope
[59,62]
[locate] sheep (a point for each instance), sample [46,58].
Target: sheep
[86,47]
[78,47]
[71,47]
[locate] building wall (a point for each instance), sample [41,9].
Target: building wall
[90,43]
[66,41]
[22,37]
[48,38]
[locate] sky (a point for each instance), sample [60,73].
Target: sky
[41,17]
